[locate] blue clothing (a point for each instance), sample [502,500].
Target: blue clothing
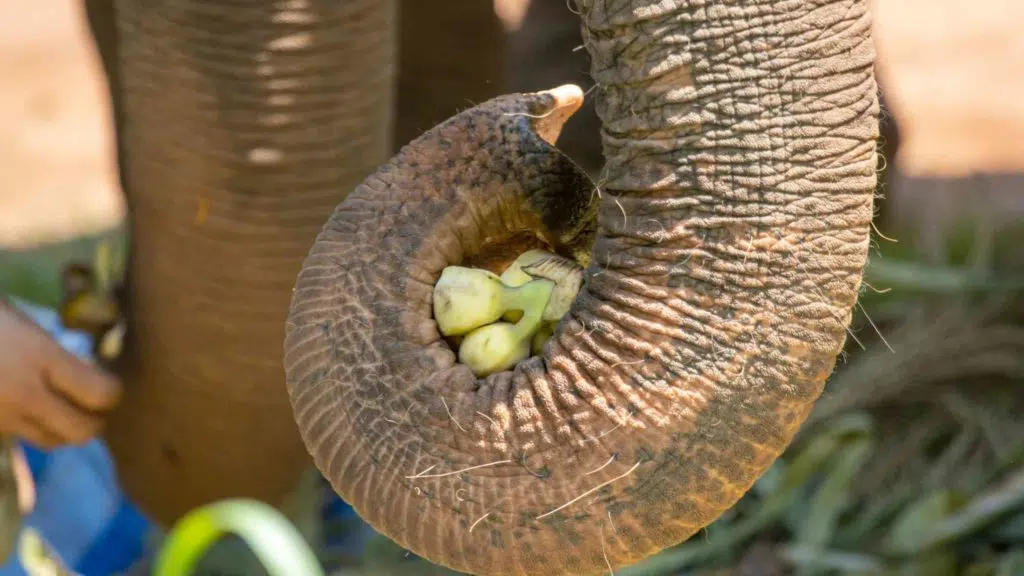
[81,511]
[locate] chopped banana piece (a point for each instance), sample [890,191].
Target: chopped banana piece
[493,348]
[565,273]
[501,345]
[466,299]
[568,278]
[514,275]
[468,303]
[544,333]
[111,342]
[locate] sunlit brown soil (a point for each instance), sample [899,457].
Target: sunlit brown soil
[56,165]
[954,70]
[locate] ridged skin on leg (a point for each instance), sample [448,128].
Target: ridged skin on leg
[733,229]
[245,125]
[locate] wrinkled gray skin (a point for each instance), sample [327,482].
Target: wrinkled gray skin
[732,234]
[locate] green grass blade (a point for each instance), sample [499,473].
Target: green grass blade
[808,462]
[998,502]
[834,496]
[912,527]
[911,276]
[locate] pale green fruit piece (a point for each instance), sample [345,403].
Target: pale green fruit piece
[493,348]
[512,315]
[568,278]
[514,276]
[541,337]
[466,298]
[565,273]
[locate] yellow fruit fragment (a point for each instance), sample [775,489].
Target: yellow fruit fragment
[493,348]
[541,337]
[501,345]
[565,273]
[468,302]
[467,298]
[568,278]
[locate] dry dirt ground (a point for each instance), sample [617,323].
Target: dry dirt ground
[953,70]
[56,166]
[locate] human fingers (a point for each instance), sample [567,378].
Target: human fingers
[69,423]
[34,433]
[26,484]
[83,383]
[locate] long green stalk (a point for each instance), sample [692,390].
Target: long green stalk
[274,541]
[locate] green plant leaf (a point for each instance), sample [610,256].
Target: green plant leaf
[277,544]
[998,502]
[835,494]
[912,527]
[814,557]
[934,563]
[1012,563]
[909,276]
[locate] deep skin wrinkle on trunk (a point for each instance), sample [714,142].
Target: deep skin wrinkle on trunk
[244,126]
[732,233]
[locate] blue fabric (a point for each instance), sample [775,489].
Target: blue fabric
[80,510]
[120,543]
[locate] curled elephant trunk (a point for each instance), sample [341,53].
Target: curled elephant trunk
[727,243]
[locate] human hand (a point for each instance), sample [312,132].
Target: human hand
[48,396]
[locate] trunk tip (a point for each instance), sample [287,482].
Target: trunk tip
[567,96]
[566,100]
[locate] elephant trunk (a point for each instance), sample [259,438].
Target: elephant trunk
[731,235]
[244,125]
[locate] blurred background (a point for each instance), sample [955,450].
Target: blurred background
[913,462]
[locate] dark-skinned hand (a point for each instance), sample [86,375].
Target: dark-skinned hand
[48,396]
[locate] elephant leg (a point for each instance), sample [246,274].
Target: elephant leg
[450,58]
[245,125]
